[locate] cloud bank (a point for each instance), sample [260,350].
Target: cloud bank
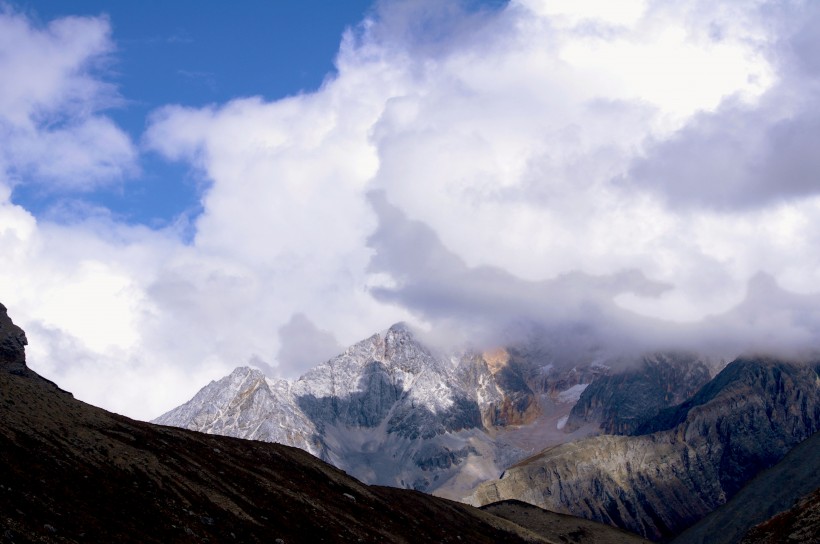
[644,177]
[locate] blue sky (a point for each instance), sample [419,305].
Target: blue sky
[196,53]
[190,186]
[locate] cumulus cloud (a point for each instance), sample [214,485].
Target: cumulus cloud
[747,155]
[618,179]
[486,306]
[302,345]
[51,122]
[573,317]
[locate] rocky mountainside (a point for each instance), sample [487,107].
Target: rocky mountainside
[70,472]
[391,411]
[793,482]
[694,458]
[620,403]
[387,411]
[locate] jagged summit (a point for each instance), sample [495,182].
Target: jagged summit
[387,410]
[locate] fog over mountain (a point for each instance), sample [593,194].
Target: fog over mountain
[639,178]
[487,306]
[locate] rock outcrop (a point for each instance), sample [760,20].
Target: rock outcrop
[697,456]
[12,343]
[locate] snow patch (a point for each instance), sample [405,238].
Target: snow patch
[562,422]
[573,394]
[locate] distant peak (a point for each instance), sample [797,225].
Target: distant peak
[243,371]
[401,333]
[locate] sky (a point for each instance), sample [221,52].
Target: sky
[186,187]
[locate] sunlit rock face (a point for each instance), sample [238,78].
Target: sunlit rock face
[390,410]
[246,404]
[684,462]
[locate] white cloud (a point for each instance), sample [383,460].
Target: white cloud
[53,132]
[533,149]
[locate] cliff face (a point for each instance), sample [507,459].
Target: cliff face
[515,402]
[620,403]
[698,455]
[391,411]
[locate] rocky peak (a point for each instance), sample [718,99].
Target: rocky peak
[403,351]
[12,343]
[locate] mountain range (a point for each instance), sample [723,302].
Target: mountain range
[392,411]
[651,443]
[734,462]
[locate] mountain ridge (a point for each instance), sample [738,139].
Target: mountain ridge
[391,411]
[387,392]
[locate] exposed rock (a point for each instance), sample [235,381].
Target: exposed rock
[703,452]
[517,404]
[621,402]
[387,410]
[245,404]
[12,343]
[391,411]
